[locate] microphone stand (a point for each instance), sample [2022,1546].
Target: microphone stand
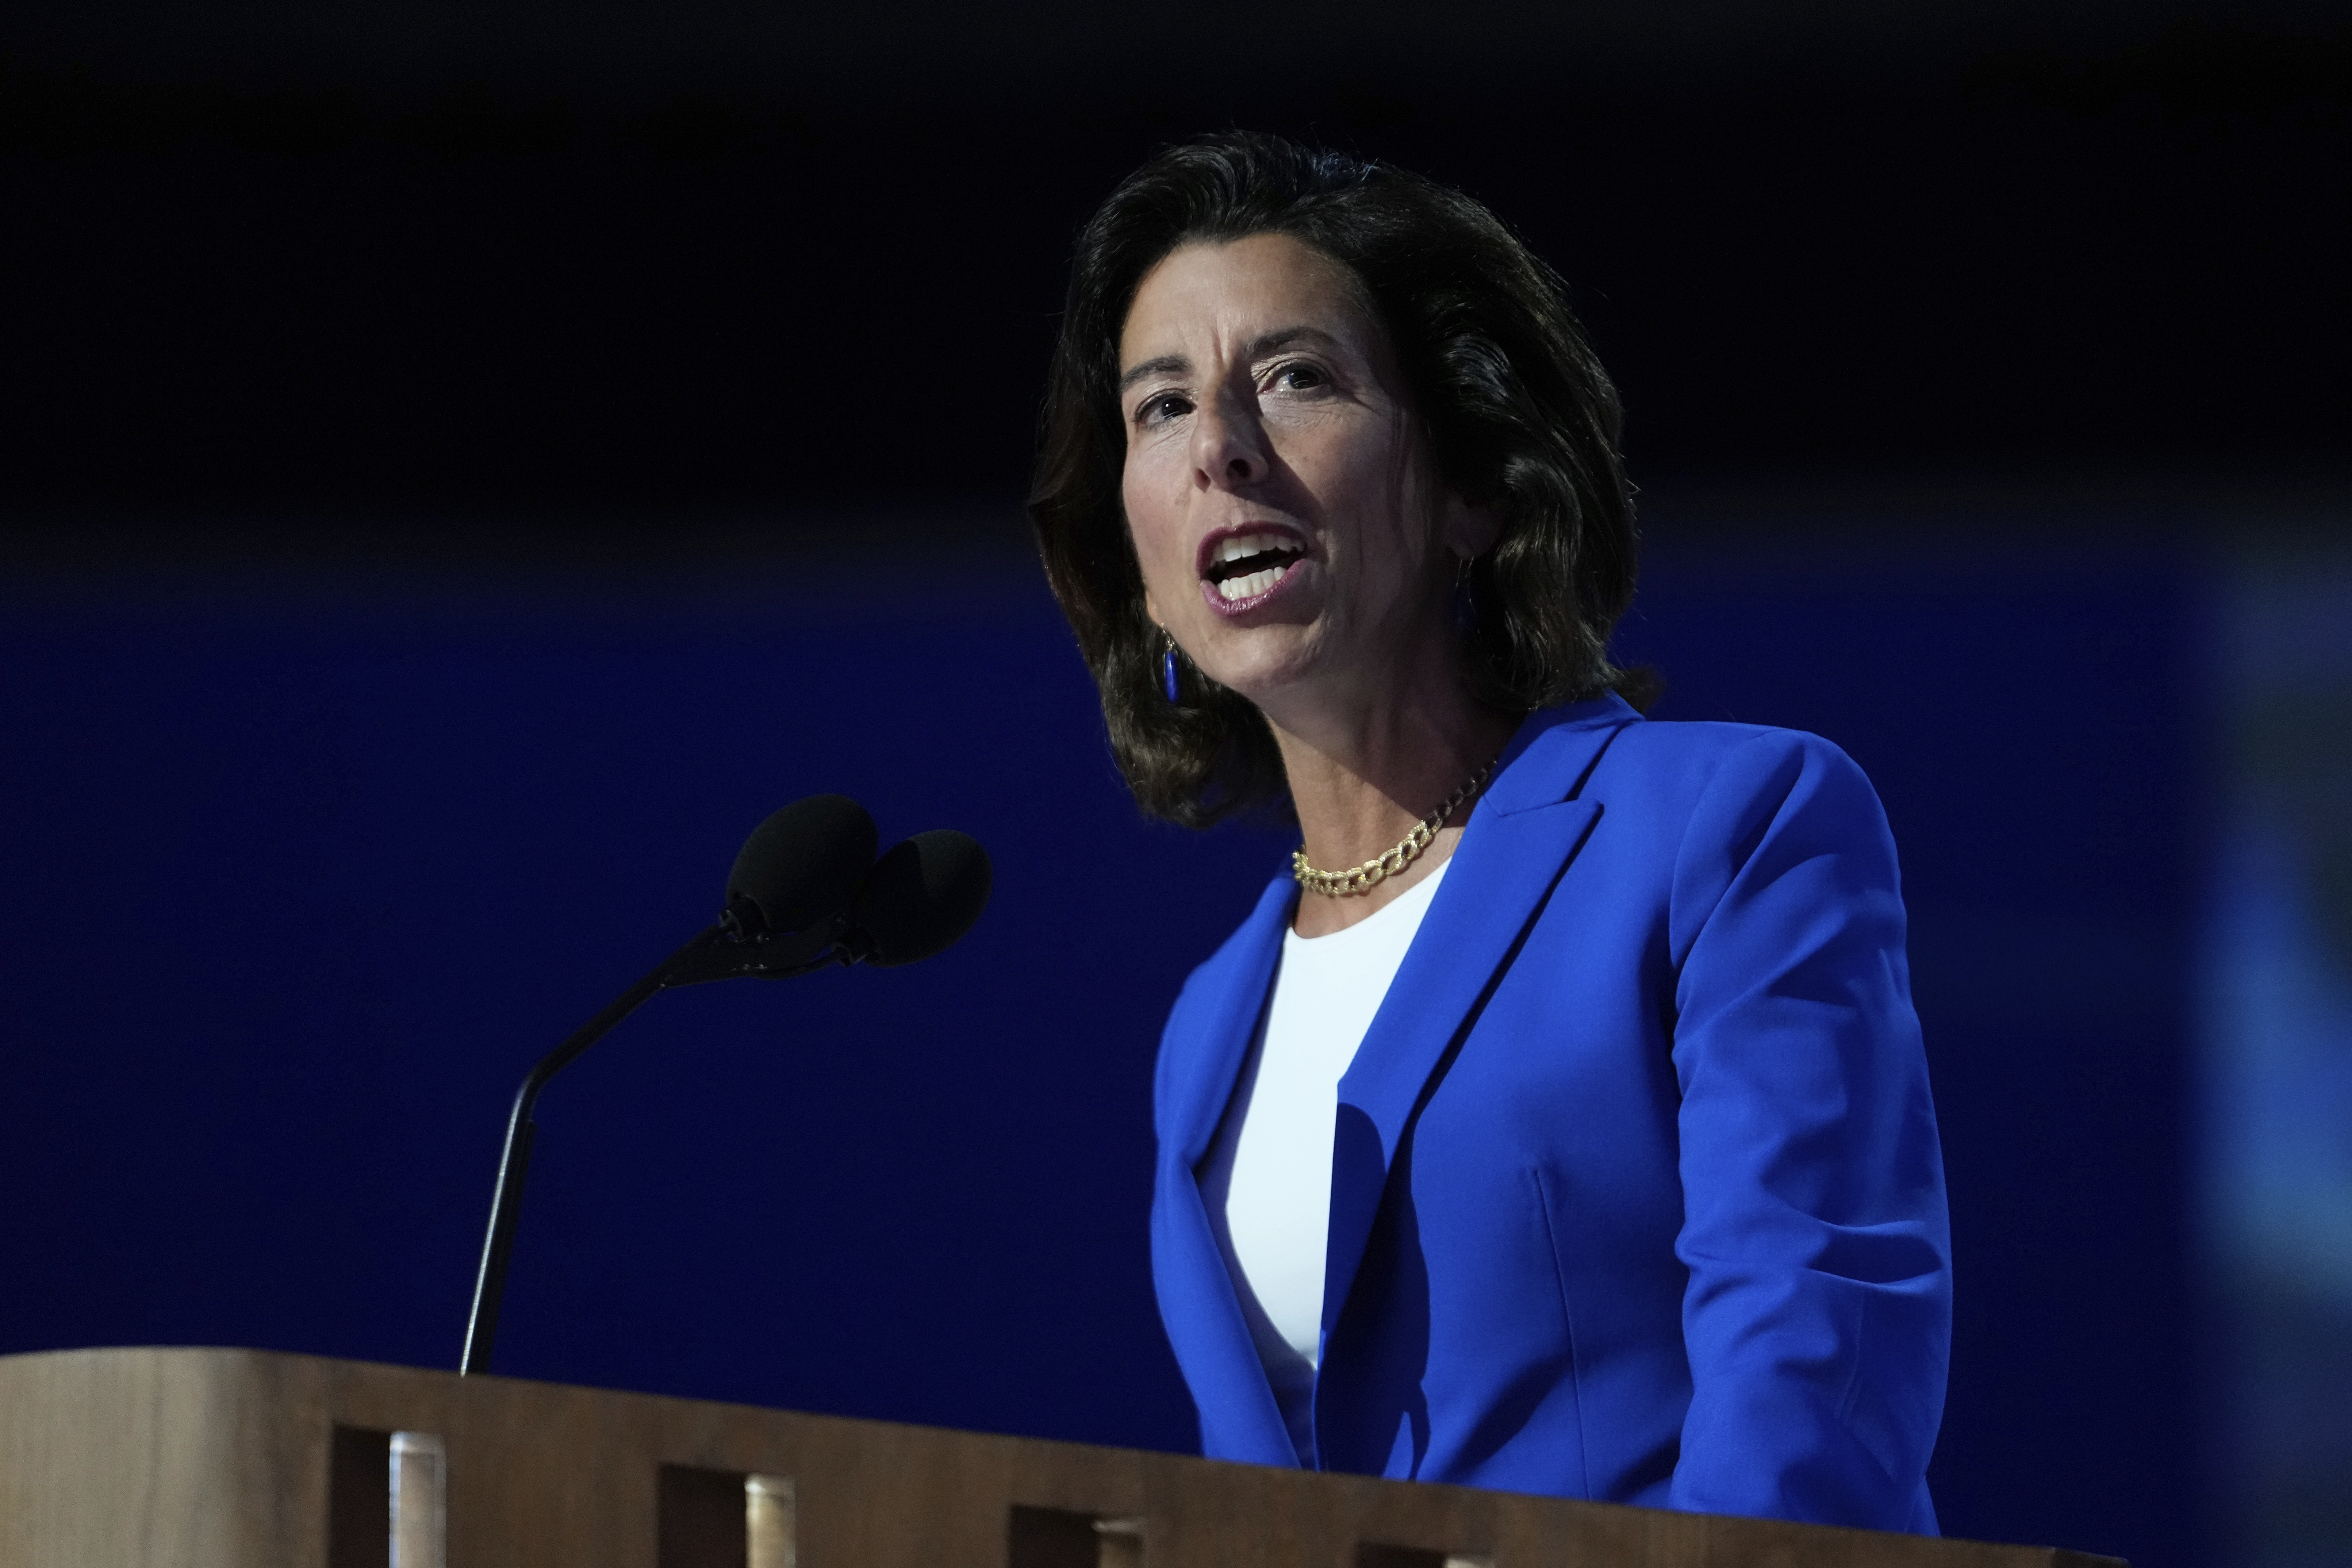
[720,952]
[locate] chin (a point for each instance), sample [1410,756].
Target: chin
[1263,674]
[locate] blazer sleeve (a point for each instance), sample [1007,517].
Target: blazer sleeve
[1818,1314]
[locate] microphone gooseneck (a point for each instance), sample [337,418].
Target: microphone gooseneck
[514,1159]
[805,892]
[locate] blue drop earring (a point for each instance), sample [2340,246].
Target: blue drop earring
[1168,665]
[1465,600]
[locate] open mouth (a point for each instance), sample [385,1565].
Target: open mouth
[1243,565]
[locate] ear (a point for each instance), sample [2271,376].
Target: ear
[1468,531]
[1151,611]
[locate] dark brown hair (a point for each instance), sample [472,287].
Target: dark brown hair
[1518,411]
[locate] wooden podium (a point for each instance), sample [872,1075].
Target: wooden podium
[229,1459]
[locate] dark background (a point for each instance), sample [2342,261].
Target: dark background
[709,258]
[462,467]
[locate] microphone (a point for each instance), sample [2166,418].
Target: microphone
[805,892]
[920,897]
[802,864]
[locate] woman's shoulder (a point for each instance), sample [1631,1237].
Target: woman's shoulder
[1244,959]
[1671,784]
[1714,746]
[1606,743]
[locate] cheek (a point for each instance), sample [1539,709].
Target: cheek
[1376,485]
[1153,523]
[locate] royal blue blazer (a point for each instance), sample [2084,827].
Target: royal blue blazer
[1636,1194]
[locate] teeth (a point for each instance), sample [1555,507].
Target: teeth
[1242,544]
[1256,583]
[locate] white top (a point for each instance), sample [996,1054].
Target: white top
[1267,1178]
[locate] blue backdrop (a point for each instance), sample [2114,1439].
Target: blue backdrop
[302,871]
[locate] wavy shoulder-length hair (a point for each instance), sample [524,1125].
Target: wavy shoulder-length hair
[1519,413]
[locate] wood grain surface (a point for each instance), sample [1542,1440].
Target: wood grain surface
[227,1458]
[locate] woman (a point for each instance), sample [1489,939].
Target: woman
[1558,1122]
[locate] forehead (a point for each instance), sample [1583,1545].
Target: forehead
[1240,288]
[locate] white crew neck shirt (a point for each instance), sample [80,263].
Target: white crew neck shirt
[1267,1178]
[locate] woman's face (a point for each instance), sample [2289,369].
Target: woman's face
[1293,535]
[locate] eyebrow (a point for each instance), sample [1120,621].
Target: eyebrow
[1166,365]
[1259,347]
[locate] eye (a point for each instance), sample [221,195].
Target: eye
[1162,407]
[1298,375]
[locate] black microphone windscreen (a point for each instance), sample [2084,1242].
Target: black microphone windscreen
[922,895]
[804,863]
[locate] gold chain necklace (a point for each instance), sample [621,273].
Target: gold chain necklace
[1380,867]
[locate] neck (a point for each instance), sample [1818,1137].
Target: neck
[1361,775]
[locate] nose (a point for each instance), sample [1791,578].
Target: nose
[1228,446]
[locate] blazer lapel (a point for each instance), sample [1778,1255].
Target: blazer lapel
[1210,1037]
[1208,1041]
[1521,838]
